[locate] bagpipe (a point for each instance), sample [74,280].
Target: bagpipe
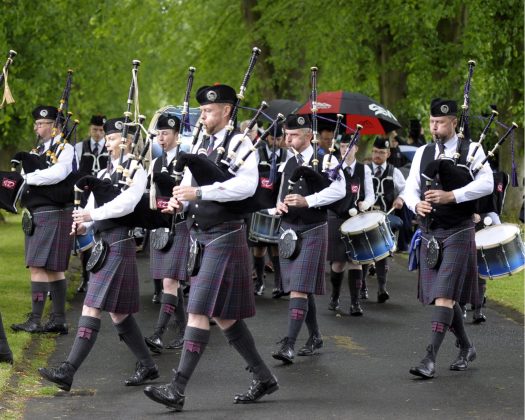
[226,165]
[458,171]
[13,186]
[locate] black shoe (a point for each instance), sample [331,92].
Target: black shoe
[426,368]
[51,326]
[29,326]
[6,357]
[62,375]
[165,394]
[83,287]
[372,270]
[142,374]
[279,293]
[269,268]
[382,296]
[286,353]
[333,305]
[363,294]
[177,342]
[314,343]
[156,298]
[257,390]
[356,310]
[154,343]
[478,317]
[465,356]
[259,288]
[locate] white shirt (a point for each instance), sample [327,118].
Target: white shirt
[370,197]
[125,202]
[482,184]
[56,172]
[399,179]
[239,187]
[334,192]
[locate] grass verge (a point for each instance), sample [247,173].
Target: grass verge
[21,381]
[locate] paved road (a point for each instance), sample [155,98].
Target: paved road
[361,373]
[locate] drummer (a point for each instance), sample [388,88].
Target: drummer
[266,159]
[389,183]
[359,197]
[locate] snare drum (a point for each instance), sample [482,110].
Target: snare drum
[265,227]
[84,242]
[500,251]
[368,237]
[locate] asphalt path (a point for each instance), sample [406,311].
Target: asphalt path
[361,373]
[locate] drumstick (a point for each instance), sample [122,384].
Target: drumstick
[390,211]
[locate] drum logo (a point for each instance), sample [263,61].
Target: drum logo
[500,187]
[266,183]
[8,183]
[355,189]
[162,203]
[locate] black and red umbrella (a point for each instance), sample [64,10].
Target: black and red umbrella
[357,108]
[281,106]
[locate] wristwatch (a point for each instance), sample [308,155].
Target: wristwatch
[198,193]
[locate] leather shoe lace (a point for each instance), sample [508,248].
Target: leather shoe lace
[363,293]
[426,368]
[30,325]
[314,343]
[356,310]
[51,326]
[286,353]
[142,374]
[62,375]
[465,356]
[154,343]
[165,394]
[257,390]
[333,305]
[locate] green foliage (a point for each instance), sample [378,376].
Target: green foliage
[400,52]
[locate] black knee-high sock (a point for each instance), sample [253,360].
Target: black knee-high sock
[240,337]
[364,275]
[58,290]
[482,288]
[354,284]
[195,341]
[277,271]
[258,264]
[38,294]
[458,328]
[311,316]
[157,284]
[297,309]
[336,279]
[130,333]
[180,314]
[88,328]
[167,309]
[4,345]
[441,319]
[381,271]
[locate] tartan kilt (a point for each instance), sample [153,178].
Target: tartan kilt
[336,246]
[306,273]
[457,275]
[115,287]
[50,245]
[223,287]
[172,263]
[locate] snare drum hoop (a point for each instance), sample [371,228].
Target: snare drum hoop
[505,241]
[366,229]
[371,260]
[505,274]
[261,237]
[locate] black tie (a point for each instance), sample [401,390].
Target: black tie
[379,172]
[210,146]
[300,159]
[40,149]
[95,149]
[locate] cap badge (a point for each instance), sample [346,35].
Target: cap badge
[119,125]
[43,113]
[103,121]
[300,121]
[211,96]
[387,144]
[444,109]
[171,122]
